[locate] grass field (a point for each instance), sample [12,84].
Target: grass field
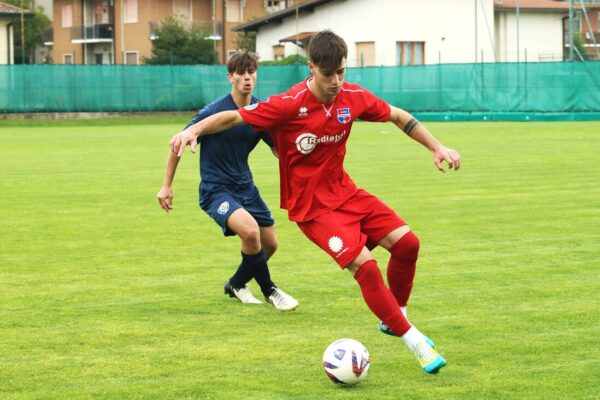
[104,296]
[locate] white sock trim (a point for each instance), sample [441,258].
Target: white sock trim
[412,337]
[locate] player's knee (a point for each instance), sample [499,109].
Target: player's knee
[407,247]
[369,274]
[250,235]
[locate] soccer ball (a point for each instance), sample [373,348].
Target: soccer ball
[346,361]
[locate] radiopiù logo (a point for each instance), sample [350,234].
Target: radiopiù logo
[306,142]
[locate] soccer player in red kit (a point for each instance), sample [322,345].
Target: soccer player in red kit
[310,125]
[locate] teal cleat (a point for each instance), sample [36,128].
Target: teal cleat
[386,329]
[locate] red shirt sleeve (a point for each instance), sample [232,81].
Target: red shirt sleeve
[264,115]
[376,109]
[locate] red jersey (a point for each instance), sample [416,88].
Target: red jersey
[310,138]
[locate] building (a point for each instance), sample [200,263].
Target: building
[384,32]
[530,30]
[9,15]
[121,31]
[428,31]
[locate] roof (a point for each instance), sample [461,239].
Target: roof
[300,39]
[8,10]
[538,5]
[307,6]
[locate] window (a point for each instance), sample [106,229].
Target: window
[68,58]
[410,53]
[182,9]
[131,11]
[101,14]
[67,15]
[233,11]
[278,52]
[365,54]
[131,58]
[275,5]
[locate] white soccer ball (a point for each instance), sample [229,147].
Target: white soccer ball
[346,361]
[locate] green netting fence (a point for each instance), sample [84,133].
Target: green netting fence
[564,90]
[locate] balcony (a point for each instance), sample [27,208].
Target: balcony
[101,33]
[590,37]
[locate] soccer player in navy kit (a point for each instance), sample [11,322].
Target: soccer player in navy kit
[227,191]
[310,125]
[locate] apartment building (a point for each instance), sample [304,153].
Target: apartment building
[121,31]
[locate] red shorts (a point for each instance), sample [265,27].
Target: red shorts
[363,220]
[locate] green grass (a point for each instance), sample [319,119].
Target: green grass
[105,296]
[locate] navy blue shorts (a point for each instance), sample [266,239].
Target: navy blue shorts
[219,202]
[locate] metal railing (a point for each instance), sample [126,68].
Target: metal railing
[100,31]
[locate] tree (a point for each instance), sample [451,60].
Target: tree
[176,44]
[35,27]
[289,60]
[579,47]
[246,40]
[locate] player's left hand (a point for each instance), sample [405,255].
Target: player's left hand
[182,139]
[165,198]
[451,157]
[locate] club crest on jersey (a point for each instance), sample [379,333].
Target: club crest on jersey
[223,207]
[343,115]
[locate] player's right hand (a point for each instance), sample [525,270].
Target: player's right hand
[165,198]
[182,139]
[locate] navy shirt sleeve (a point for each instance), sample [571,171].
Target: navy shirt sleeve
[265,137]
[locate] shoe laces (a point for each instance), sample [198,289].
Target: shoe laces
[279,297]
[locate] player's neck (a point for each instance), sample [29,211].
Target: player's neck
[320,95]
[241,99]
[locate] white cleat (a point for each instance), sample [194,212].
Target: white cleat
[281,300]
[242,294]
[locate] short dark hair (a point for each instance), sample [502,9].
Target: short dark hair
[326,50]
[242,61]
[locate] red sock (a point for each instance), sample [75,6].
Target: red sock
[402,266]
[379,299]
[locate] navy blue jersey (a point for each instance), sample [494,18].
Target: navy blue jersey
[224,156]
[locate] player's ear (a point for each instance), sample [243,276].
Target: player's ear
[311,67]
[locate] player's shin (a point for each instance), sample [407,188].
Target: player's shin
[378,297]
[257,265]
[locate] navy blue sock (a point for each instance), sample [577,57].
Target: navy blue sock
[242,276]
[257,265]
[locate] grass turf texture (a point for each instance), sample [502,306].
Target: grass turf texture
[105,296]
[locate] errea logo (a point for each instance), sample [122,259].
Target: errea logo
[302,112]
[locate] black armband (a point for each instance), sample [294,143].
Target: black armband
[410,126]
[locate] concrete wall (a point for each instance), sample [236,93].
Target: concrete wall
[6,42]
[540,36]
